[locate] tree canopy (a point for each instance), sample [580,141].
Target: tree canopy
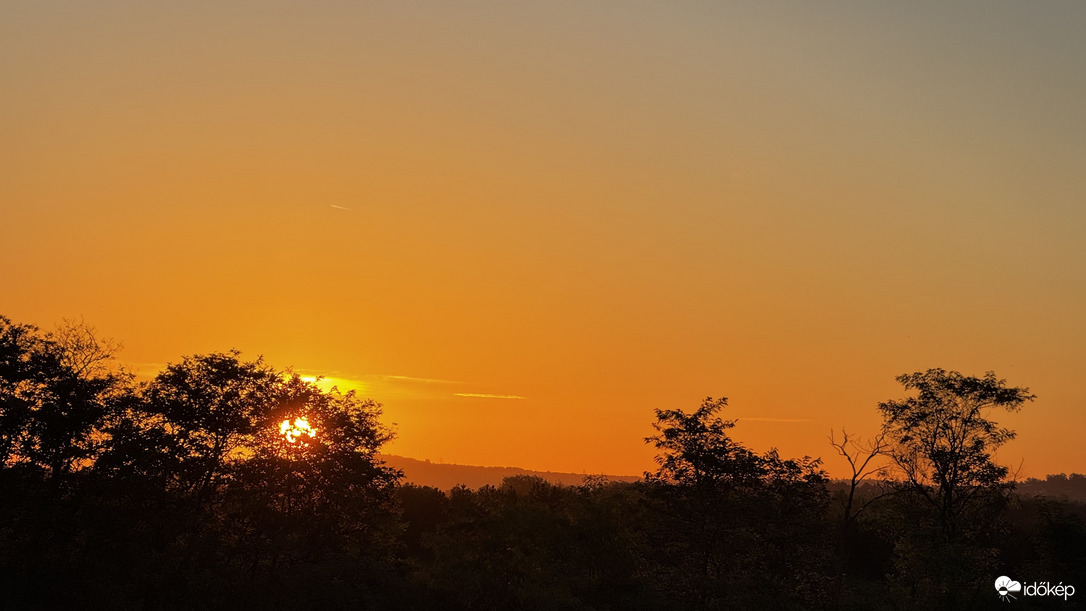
[225,482]
[942,438]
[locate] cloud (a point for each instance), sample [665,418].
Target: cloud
[143,370]
[369,377]
[135,365]
[760,419]
[340,208]
[411,379]
[384,387]
[485,395]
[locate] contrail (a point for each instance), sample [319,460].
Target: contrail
[340,208]
[413,379]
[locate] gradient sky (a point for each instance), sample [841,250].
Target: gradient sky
[586,210]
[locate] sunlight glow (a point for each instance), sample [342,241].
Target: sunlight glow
[294,432]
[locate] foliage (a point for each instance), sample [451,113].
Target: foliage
[56,391]
[942,441]
[697,451]
[183,484]
[729,520]
[952,493]
[183,492]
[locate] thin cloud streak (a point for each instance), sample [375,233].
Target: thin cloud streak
[143,370]
[411,379]
[485,395]
[758,419]
[340,208]
[369,377]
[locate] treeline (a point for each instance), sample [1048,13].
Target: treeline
[1061,485]
[226,483]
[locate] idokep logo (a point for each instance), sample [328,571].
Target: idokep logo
[1007,587]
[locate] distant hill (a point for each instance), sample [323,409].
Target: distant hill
[1070,487]
[446,476]
[1058,487]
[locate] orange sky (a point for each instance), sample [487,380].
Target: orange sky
[589,209]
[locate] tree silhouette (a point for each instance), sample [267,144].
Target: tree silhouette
[942,443]
[859,457]
[206,411]
[56,393]
[202,444]
[697,451]
[225,482]
[730,518]
[332,474]
[953,496]
[23,366]
[82,351]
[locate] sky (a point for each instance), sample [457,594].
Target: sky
[523,226]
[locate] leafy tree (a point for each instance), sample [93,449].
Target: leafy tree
[23,363]
[204,444]
[947,522]
[730,520]
[56,392]
[331,470]
[942,441]
[210,419]
[203,414]
[697,451]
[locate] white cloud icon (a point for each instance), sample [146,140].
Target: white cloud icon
[1005,585]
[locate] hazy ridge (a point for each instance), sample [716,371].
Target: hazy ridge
[445,476]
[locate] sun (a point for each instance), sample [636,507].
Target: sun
[298,430]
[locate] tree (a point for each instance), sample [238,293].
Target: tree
[56,392]
[859,457]
[242,473]
[206,411]
[81,351]
[22,363]
[730,518]
[865,460]
[696,450]
[941,441]
[332,464]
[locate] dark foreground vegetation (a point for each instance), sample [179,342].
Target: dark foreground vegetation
[223,483]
